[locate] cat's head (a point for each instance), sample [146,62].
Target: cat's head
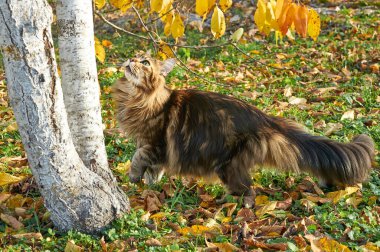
[145,73]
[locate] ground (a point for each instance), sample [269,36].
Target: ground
[331,86]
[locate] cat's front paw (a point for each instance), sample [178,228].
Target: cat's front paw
[152,176]
[134,178]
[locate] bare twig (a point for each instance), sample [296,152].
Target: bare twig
[146,28]
[119,28]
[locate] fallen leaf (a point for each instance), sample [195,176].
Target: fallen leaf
[349,115]
[297,101]
[11,221]
[267,208]
[153,242]
[6,179]
[326,244]
[244,214]
[288,91]
[71,247]
[272,246]
[28,236]
[338,195]
[261,200]
[194,230]
[332,128]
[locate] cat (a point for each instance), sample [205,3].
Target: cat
[199,134]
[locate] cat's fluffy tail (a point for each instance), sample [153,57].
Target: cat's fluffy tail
[290,148]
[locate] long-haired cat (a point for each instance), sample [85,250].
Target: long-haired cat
[196,133]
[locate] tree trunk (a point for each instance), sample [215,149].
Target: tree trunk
[80,83]
[76,197]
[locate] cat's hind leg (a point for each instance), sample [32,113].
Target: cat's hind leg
[235,175]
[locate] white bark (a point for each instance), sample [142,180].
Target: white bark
[80,82]
[77,197]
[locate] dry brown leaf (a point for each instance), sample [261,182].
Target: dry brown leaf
[28,236]
[297,101]
[332,128]
[273,246]
[151,201]
[153,242]
[71,247]
[11,221]
[267,208]
[244,214]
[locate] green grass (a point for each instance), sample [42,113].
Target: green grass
[341,45]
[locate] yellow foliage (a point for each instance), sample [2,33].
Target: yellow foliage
[122,5]
[211,4]
[225,4]
[100,52]
[100,4]
[177,27]
[267,208]
[313,24]
[283,15]
[159,6]
[218,23]
[201,8]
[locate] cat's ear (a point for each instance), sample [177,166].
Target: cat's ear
[167,66]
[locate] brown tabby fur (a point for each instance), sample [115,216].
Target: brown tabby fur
[196,133]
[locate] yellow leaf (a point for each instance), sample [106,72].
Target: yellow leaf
[194,230]
[211,4]
[165,52]
[158,216]
[122,5]
[139,3]
[167,9]
[236,36]
[100,53]
[6,179]
[313,24]
[11,127]
[100,4]
[123,168]
[71,247]
[218,23]
[260,15]
[106,43]
[225,4]
[261,200]
[337,195]
[177,27]
[328,245]
[159,5]
[281,7]
[201,8]
[267,208]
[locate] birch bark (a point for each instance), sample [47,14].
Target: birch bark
[76,196]
[80,83]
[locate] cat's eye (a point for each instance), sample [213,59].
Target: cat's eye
[145,62]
